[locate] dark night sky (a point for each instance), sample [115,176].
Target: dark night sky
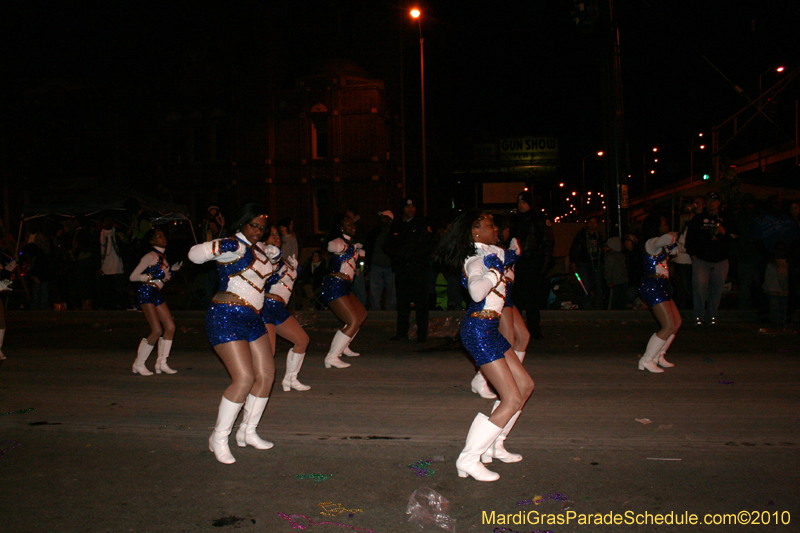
[501,68]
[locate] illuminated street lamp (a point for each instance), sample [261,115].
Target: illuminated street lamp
[583,172]
[777,70]
[415,13]
[644,168]
[691,156]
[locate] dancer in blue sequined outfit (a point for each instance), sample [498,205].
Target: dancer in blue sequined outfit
[278,319]
[336,289]
[152,272]
[512,325]
[235,328]
[654,290]
[470,245]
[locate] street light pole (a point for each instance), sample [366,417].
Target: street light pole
[760,106]
[416,14]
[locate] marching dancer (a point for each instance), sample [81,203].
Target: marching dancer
[336,289]
[654,290]
[152,272]
[7,266]
[278,319]
[470,243]
[512,325]
[235,328]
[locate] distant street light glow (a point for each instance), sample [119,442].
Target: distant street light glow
[415,13]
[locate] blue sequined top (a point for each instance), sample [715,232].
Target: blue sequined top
[656,266]
[344,261]
[157,271]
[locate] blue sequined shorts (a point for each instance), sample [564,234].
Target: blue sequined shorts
[482,339]
[228,323]
[147,294]
[274,312]
[655,291]
[333,288]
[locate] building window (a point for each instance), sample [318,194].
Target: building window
[319,137]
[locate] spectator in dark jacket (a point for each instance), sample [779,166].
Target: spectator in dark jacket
[409,246]
[586,256]
[535,236]
[708,241]
[381,277]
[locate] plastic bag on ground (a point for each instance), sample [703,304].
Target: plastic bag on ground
[429,508]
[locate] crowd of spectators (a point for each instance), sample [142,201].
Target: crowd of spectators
[750,248]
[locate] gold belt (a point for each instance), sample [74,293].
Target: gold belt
[151,283]
[486,314]
[341,275]
[274,298]
[238,301]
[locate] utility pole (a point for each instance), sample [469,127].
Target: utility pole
[617,166]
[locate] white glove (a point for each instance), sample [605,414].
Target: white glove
[11,265]
[358,246]
[177,266]
[515,246]
[272,252]
[5,285]
[292,262]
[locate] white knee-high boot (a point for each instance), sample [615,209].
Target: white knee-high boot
[293,363]
[661,361]
[497,449]
[141,356]
[521,356]
[339,343]
[164,347]
[347,351]
[481,387]
[481,435]
[648,360]
[2,336]
[253,409]
[218,441]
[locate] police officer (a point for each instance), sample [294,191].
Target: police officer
[409,246]
[535,235]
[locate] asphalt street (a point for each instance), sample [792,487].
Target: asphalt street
[85,445]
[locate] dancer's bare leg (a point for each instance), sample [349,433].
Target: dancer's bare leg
[263,362]
[167,323]
[350,311]
[292,331]
[513,384]
[154,321]
[235,355]
[521,334]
